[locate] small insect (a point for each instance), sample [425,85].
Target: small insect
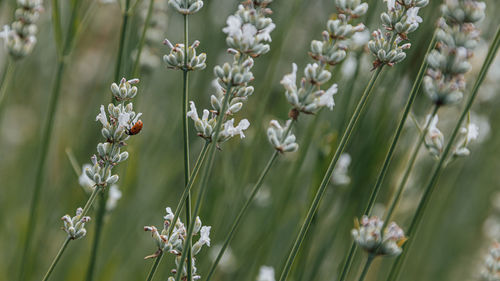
[134,130]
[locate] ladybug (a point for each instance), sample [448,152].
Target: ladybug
[134,130]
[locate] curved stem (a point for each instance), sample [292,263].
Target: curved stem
[153,268]
[385,166]
[206,176]
[326,179]
[430,187]
[56,259]
[242,212]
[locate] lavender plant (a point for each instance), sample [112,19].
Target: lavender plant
[184,57]
[308,98]
[465,11]
[119,122]
[400,20]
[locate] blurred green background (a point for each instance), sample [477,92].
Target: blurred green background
[450,245]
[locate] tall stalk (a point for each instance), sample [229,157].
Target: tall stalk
[185,134]
[101,210]
[326,179]
[430,187]
[62,59]
[205,178]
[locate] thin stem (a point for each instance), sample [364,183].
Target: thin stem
[413,94]
[99,221]
[142,40]
[185,133]
[326,179]
[56,23]
[385,166]
[153,268]
[6,79]
[56,259]
[368,263]
[206,176]
[199,163]
[123,36]
[242,212]
[46,136]
[409,168]
[430,187]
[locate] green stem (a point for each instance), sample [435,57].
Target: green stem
[326,179]
[368,263]
[56,259]
[153,268]
[46,137]
[6,79]
[430,187]
[99,221]
[185,133]
[56,23]
[242,212]
[373,196]
[123,36]
[142,40]
[409,168]
[206,176]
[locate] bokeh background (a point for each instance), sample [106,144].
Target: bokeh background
[459,224]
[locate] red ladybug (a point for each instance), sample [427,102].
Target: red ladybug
[134,130]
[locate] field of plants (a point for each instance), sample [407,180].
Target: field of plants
[265,140]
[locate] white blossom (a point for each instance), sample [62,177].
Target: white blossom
[289,81]
[412,16]
[266,273]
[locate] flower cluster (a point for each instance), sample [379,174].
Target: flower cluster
[280,137]
[87,184]
[247,29]
[400,19]
[175,59]
[174,243]
[20,36]
[75,226]
[368,235]
[331,50]
[457,36]
[491,270]
[434,139]
[188,7]
[119,122]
